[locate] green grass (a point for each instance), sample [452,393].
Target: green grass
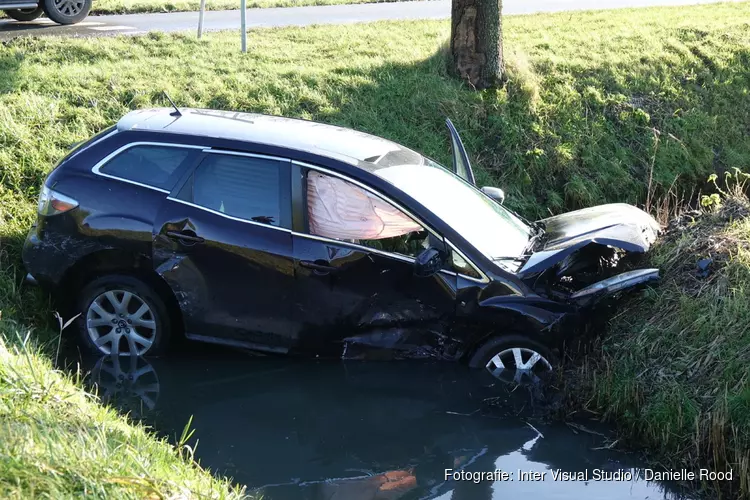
[674,371]
[58,442]
[598,105]
[101,7]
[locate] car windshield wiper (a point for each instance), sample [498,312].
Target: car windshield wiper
[538,234]
[519,258]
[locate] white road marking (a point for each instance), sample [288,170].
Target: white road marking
[113,28]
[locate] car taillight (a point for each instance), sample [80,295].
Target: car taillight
[52,203]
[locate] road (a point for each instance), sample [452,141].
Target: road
[135,24]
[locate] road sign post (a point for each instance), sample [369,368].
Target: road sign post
[200,18]
[243,24]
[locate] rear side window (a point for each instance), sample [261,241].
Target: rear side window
[249,188]
[155,166]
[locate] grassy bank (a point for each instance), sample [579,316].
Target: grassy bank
[674,371]
[57,442]
[598,106]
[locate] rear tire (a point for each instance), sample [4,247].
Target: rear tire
[67,11]
[25,14]
[122,315]
[499,356]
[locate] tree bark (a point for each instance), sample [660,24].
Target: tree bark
[477,42]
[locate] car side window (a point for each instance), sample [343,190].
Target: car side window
[340,210]
[151,165]
[249,188]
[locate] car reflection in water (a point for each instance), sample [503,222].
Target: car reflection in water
[362,431]
[129,383]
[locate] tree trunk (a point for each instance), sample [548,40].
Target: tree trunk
[477,42]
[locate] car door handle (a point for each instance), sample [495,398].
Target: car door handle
[317,267]
[186,237]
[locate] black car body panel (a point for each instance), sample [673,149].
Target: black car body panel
[270,284]
[239,285]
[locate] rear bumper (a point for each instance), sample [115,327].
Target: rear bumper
[43,264]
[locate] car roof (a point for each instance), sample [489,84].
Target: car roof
[344,144]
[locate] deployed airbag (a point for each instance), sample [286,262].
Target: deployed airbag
[341,210]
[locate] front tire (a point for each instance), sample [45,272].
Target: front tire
[514,358]
[67,11]
[24,15]
[122,316]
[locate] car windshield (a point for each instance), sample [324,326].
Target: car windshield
[492,229]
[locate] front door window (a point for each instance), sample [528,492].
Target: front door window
[343,211]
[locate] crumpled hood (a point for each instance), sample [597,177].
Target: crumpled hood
[618,225]
[618,221]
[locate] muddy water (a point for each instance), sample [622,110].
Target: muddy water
[365,431]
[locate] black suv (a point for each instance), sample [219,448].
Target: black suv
[286,235]
[60,11]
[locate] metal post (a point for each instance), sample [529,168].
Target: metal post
[200,18]
[243,25]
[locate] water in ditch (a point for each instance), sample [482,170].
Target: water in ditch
[362,431]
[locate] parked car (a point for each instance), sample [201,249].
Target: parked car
[60,11]
[291,236]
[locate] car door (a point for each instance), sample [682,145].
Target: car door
[222,241]
[357,293]
[461,163]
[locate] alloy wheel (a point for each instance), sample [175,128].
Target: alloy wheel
[121,323]
[70,8]
[519,364]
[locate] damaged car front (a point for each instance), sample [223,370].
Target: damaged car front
[580,257]
[587,255]
[549,276]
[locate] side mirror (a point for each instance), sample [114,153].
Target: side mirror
[496,194]
[429,262]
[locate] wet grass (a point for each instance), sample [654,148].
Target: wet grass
[598,107]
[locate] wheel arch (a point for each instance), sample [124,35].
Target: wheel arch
[517,340]
[113,261]
[480,341]
[541,320]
